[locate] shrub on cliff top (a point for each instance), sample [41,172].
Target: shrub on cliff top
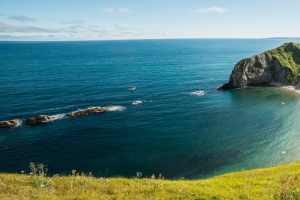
[288,55]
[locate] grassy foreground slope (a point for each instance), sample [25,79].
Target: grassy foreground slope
[281,182]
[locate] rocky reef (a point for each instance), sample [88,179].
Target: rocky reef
[9,123]
[87,111]
[46,118]
[280,65]
[37,119]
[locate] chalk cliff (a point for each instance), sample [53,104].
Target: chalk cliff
[280,65]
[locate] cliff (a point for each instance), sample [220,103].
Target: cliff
[280,65]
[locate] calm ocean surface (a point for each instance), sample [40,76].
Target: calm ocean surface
[174,132]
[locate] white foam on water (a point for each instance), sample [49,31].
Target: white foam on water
[57,117]
[115,108]
[92,107]
[19,122]
[283,152]
[107,108]
[137,102]
[198,93]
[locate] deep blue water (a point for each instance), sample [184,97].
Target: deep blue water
[173,132]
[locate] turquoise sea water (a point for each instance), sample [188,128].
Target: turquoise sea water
[175,131]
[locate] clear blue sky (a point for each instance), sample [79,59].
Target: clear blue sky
[137,19]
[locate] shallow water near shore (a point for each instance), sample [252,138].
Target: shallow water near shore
[183,127]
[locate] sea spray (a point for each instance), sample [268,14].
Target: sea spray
[198,93]
[115,108]
[57,117]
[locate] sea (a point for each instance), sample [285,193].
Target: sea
[182,126]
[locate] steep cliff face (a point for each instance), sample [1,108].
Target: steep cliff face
[278,65]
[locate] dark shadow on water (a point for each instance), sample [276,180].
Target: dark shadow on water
[197,166]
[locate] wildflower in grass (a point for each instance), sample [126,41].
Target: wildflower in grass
[139,174]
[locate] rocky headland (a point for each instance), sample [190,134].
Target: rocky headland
[279,67]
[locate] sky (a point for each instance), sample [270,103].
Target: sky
[153,19]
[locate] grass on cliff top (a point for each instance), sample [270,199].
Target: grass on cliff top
[281,182]
[288,56]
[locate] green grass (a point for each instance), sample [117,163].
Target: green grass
[288,55]
[281,182]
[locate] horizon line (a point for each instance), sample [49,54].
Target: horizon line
[85,40]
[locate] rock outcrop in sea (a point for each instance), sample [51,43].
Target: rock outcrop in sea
[46,118]
[37,119]
[9,123]
[87,111]
[280,65]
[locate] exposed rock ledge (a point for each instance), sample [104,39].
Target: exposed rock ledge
[87,111]
[9,123]
[37,119]
[281,65]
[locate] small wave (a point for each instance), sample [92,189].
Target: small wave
[198,93]
[19,122]
[114,108]
[57,117]
[92,107]
[137,102]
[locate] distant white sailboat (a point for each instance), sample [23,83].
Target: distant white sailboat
[132,89]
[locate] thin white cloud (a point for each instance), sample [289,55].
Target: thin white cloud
[107,10]
[9,28]
[119,27]
[211,9]
[124,10]
[73,22]
[28,37]
[21,18]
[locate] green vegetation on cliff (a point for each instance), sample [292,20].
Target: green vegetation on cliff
[288,55]
[280,65]
[281,182]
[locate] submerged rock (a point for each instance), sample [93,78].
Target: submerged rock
[9,123]
[37,119]
[87,111]
[281,65]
